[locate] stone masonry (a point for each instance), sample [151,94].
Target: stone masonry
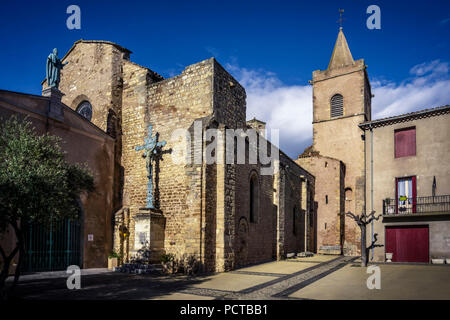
[206,207]
[340,137]
[329,196]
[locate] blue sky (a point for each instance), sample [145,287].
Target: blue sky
[271,47]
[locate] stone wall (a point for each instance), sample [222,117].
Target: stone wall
[229,98]
[340,138]
[254,239]
[270,235]
[93,74]
[170,105]
[173,104]
[136,80]
[299,186]
[329,174]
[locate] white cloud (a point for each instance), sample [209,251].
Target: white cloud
[289,108]
[428,87]
[434,68]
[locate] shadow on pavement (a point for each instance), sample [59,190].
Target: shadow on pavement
[107,286]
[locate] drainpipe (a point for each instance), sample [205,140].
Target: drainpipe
[306,213]
[371,183]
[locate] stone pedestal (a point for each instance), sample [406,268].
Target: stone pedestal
[56,106]
[112,263]
[149,231]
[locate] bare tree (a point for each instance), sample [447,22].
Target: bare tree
[362,221]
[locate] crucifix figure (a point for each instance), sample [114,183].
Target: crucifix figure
[152,151]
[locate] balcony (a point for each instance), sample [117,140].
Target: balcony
[417,206]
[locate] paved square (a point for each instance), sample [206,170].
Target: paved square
[339,278]
[398,282]
[281,267]
[182,296]
[315,258]
[231,281]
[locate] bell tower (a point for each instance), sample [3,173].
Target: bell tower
[341,101]
[344,78]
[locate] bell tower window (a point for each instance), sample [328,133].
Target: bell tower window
[336,106]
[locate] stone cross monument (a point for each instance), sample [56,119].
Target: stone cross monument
[149,223]
[152,151]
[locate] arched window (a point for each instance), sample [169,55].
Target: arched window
[85,109]
[348,194]
[337,106]
[253,198]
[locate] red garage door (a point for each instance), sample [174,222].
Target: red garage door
[407,243]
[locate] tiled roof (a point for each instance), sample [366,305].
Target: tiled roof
[425,113]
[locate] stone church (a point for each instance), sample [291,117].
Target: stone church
[224,214]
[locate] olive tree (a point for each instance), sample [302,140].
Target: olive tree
[37,185]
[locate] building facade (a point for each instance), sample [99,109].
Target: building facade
[408,183]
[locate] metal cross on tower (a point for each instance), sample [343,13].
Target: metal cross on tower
[341,19]
[152,151]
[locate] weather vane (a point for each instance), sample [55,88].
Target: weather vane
[341,19]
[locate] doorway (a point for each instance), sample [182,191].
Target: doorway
[408,243]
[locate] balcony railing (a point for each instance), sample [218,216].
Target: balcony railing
[417,205]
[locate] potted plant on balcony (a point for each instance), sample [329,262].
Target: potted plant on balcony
[113,260]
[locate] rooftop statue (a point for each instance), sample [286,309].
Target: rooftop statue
[54,66]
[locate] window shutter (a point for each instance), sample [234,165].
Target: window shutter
[337,106]
[405,142]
